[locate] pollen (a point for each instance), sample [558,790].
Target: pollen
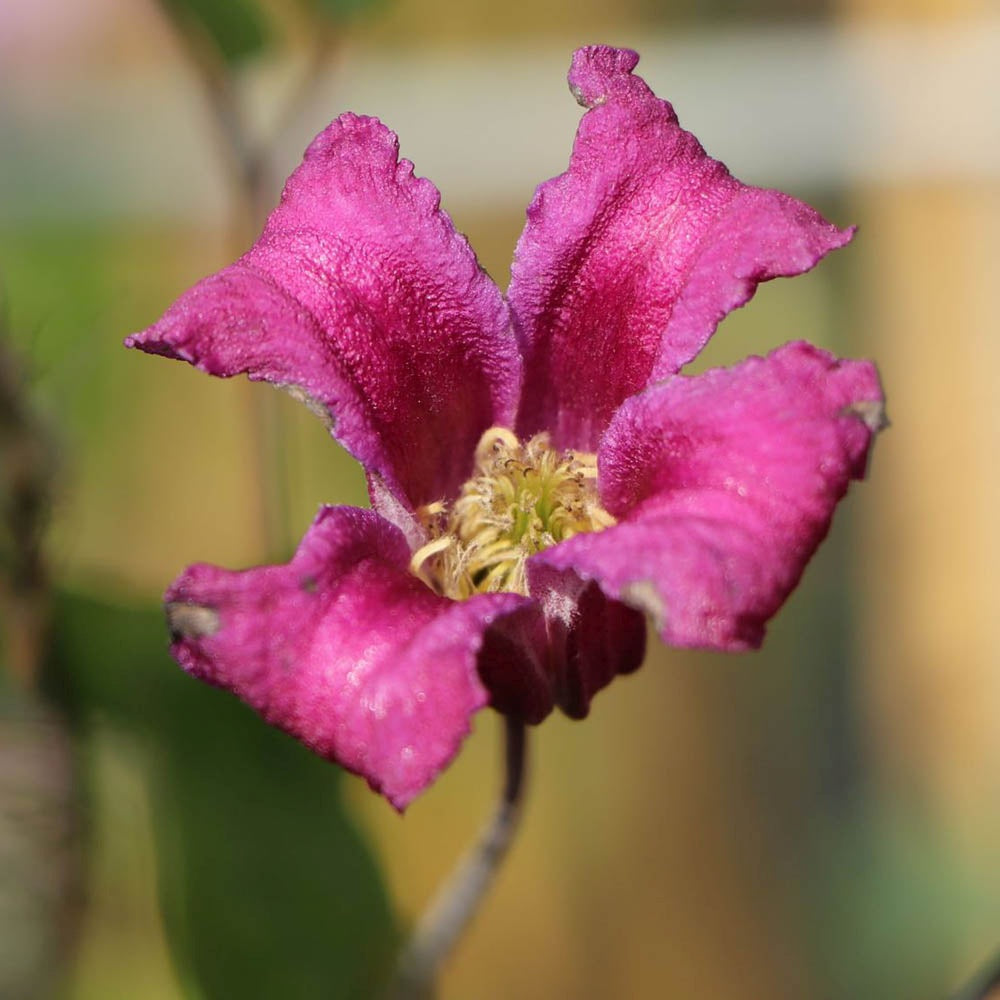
[522,498]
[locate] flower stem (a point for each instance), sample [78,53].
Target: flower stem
[458,899]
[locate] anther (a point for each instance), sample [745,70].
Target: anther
[521,499]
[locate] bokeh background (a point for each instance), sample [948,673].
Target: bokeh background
[817,820]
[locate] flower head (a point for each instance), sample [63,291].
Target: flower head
[540,474]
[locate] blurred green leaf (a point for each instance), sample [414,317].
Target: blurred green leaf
[893,907]
[340,11]
[238,28]
[267,888]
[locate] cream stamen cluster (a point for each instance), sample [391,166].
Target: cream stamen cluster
[521,499]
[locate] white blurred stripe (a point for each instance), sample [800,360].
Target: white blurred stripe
[791,107]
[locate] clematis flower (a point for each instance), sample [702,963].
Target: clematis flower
[541,476]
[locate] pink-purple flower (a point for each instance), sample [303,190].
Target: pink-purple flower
[540,474]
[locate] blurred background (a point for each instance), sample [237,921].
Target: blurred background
[817,820]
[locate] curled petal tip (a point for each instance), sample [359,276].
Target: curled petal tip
[871,412]
[596,70]
[190,621]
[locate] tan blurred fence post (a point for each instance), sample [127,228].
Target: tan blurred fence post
[930,565]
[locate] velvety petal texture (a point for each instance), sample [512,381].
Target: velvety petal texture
[631,258]
[344,649]
[362,299]
[590,640]
[724,484]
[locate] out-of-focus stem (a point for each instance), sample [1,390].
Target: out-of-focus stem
[985,985]
[460,897]
[252,182]
[38,793]
[27,467]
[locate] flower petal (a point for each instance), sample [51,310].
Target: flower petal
[724,485]
[590,639]
[344,649]
[362,299]
[514,665]
[631,258]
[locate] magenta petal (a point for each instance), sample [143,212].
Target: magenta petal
[361,297]
[344,649]
[514,665]
[724,485]
[591,639]
[631,258]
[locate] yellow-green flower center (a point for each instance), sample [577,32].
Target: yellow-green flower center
[521,499]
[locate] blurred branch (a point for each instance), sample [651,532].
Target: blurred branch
[27,471]
[42,876]
[460,897]
[321,55]
[984,985]
[244,158]
[250,170]
[248,156]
